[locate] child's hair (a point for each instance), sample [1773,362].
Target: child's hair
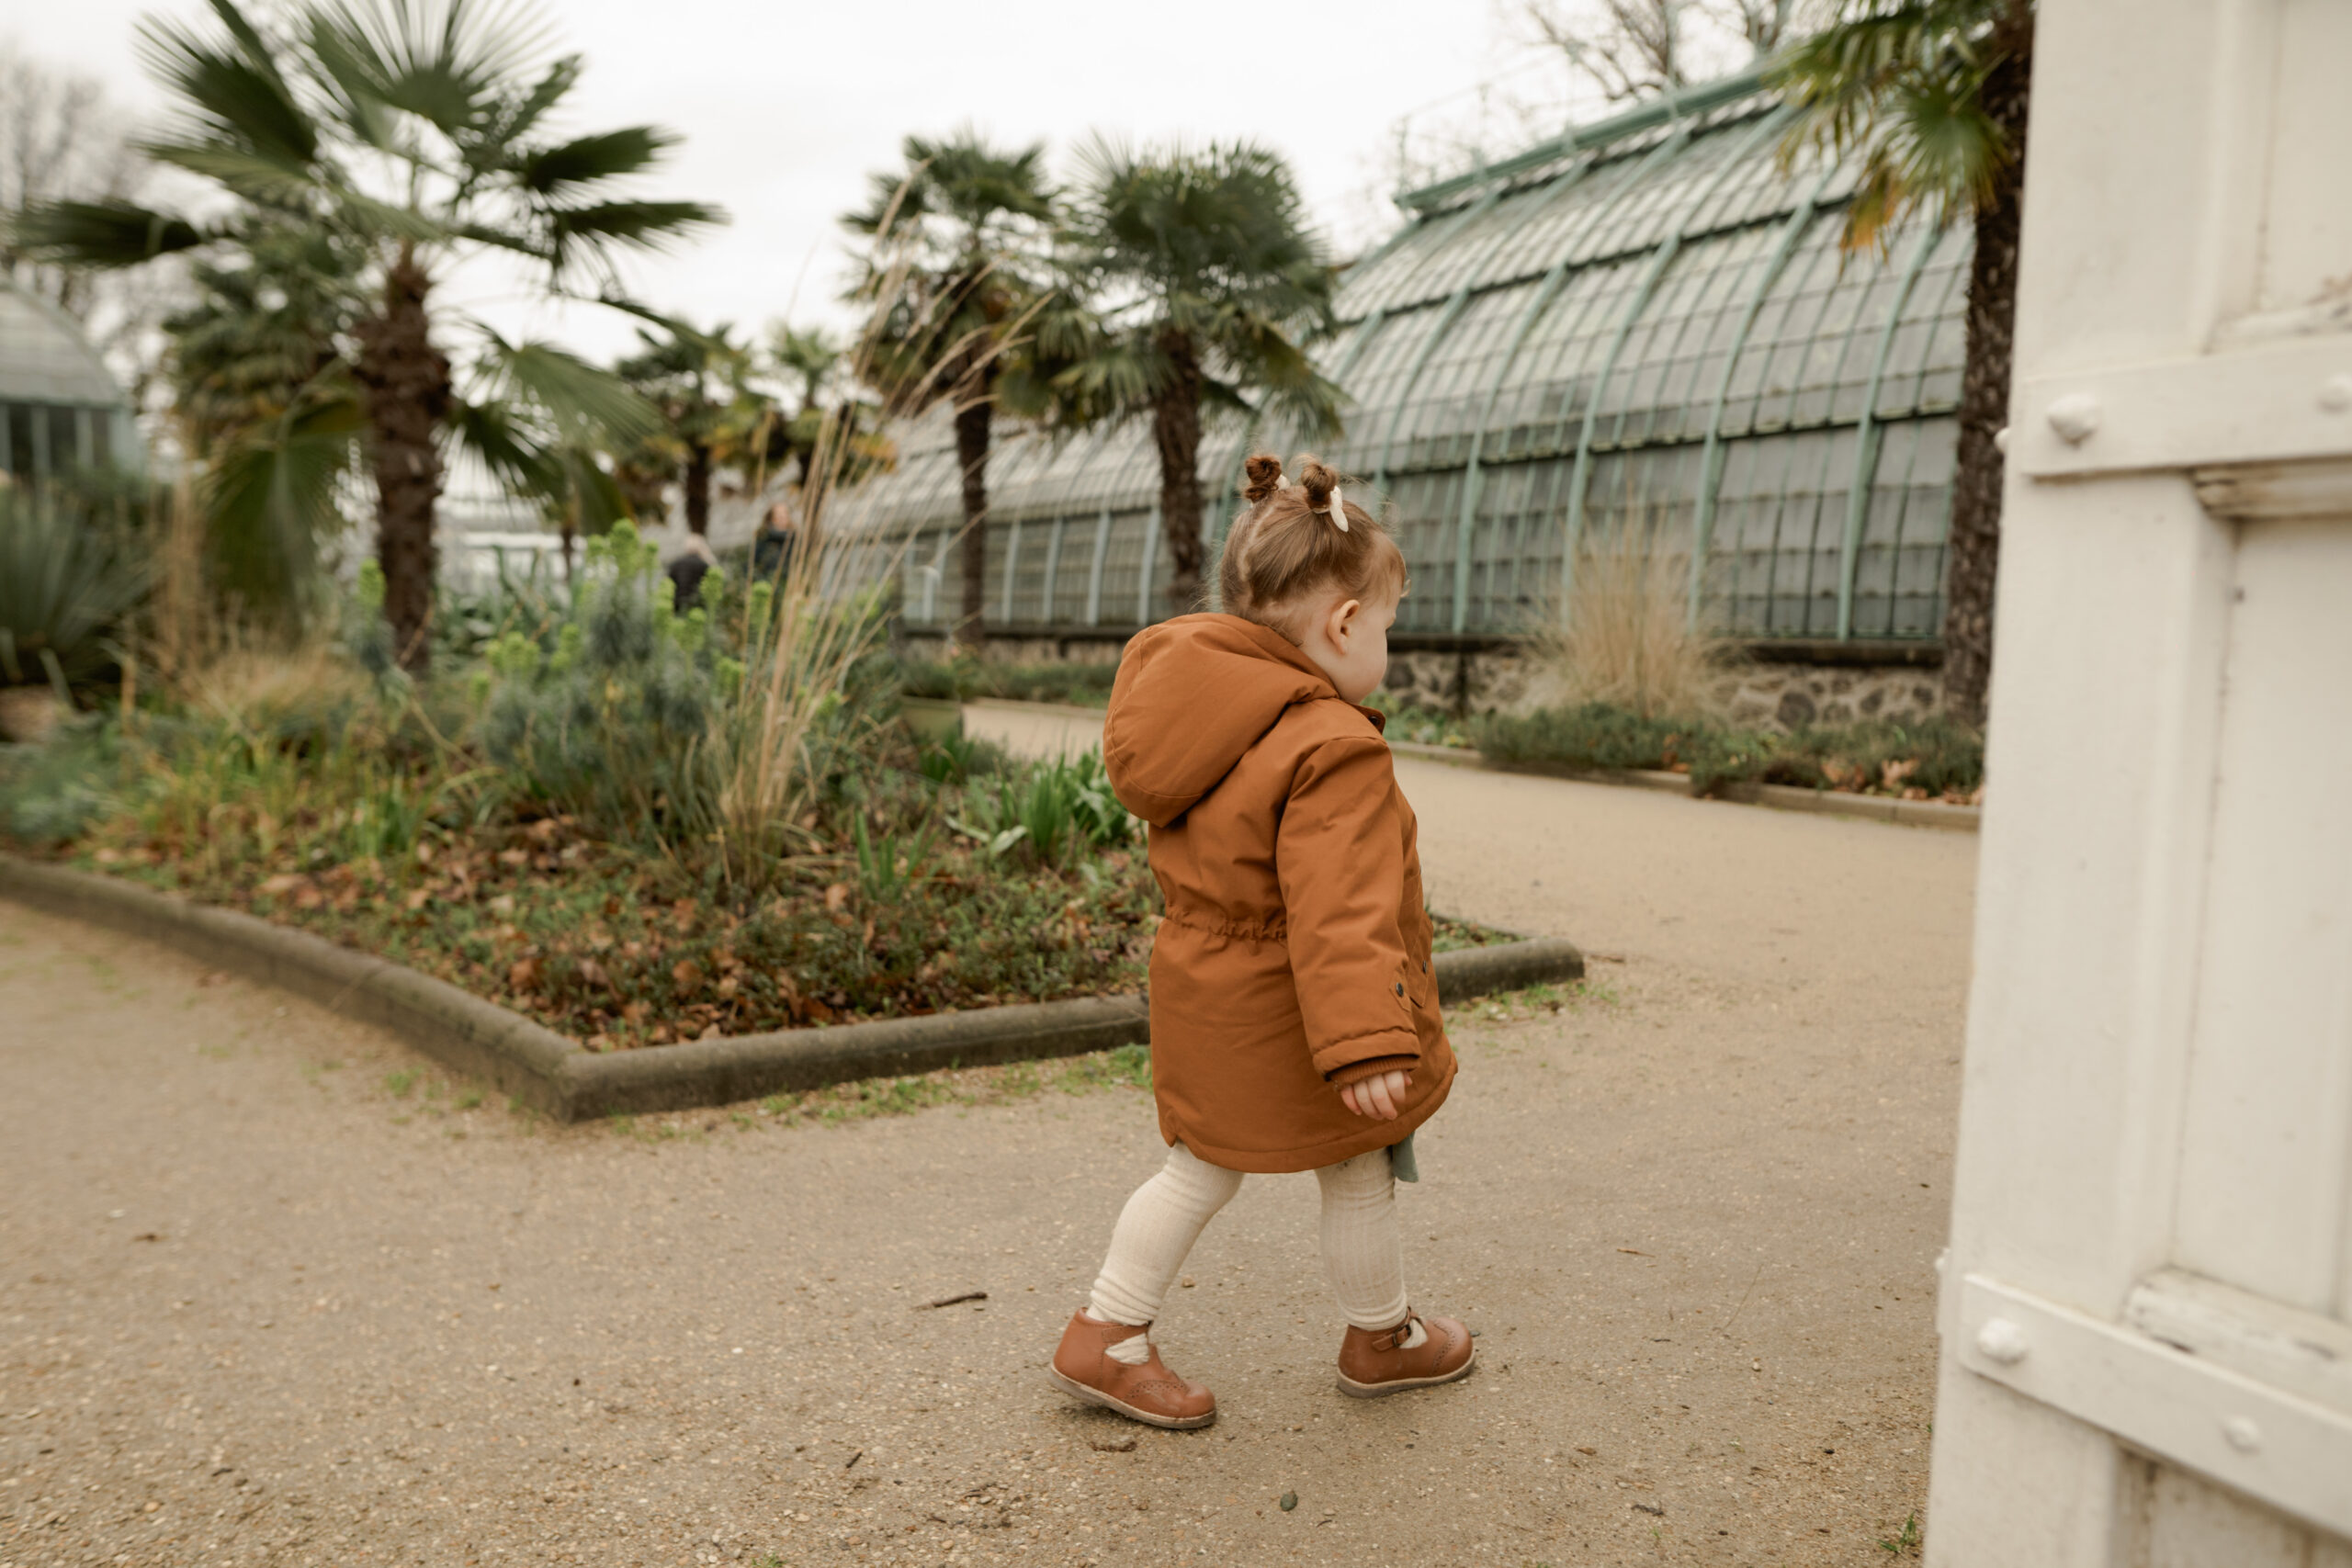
[1287,545]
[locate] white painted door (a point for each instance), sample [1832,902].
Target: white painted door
[2147,1304]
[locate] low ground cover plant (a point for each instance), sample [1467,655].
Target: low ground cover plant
[960,680]
[1930,758]
[1411,722]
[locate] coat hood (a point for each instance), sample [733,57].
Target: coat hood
[1193,695]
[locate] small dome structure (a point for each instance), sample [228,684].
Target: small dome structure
[60,407]
[1644,328]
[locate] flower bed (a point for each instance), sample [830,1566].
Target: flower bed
[631,826]
[1930,758]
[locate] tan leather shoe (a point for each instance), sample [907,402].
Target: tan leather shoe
[1149,1393]
[1374,1364]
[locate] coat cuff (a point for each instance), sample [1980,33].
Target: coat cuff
[1356,1072]
[1398,1042]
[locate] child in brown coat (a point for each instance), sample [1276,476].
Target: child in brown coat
[1294,1019]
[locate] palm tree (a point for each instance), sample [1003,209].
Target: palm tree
[414,129]
[699,382]
[814,370]
[1934,93]
[1204,283]
[955,235]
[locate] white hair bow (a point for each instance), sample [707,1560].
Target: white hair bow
[1339,510]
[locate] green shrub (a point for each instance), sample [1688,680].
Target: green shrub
[1935,755]
[1409,721]
[1083,685]
[1594,735]
[612,723]
[51,793]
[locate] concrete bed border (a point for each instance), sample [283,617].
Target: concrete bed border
[1782,797]
[556,1076]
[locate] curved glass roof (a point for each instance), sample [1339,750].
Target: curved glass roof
[1645,327]
[60,407]
[45,359]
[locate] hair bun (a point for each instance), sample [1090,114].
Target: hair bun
[1317,481]
[1265,476]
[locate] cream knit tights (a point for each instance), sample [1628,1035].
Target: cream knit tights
[1167,1215]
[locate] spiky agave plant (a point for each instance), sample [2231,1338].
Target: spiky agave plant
[66,583]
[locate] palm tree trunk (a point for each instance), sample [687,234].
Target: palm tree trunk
[697,486]
[405,392]
[1176,430]
[972,422]
[1972,552]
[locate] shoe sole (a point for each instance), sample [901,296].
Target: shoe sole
[1076,1389]
[1355,1389]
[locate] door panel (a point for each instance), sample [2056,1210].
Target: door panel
[2265,1164]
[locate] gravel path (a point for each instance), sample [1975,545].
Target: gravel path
[272,1292]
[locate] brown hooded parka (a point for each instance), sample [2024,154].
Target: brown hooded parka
[1295,952]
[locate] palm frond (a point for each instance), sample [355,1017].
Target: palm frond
[1900,83]
[262,178]
[269,500]
[587,159]
[523,115]
[366,215]
[103,233]
[646,225]
[236,95]
[442,61]
[592,494]
[575,396]
[502,438]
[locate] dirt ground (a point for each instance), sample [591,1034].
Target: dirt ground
[273,1292]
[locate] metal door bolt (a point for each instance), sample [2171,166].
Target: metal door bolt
[2335,393]
[2243,1434]
[2003,1341]
[2075,418]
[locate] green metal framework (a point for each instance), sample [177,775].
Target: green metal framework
[1643,330]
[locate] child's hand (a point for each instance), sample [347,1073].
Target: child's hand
[1377,1096]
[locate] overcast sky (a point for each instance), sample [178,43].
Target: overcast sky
[784,107]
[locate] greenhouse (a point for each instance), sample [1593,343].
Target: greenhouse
[60,408]
[1644,329]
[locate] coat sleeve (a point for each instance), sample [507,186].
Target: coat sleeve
[1341,857]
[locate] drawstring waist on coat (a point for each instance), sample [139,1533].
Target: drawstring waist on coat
[1217,924]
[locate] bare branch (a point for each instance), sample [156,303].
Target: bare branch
[61,141]
[1630,48]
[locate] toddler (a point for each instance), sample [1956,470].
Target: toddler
[1293,1018]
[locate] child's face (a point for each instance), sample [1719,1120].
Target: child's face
[1349,640]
